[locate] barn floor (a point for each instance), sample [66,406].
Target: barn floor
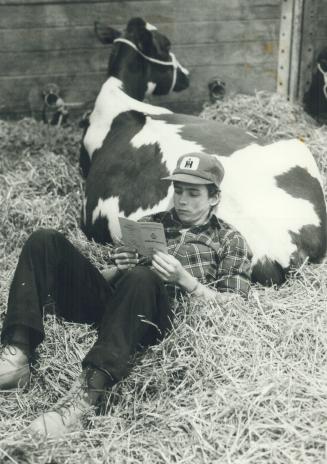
[242,384]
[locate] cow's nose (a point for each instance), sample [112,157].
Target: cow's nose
[182,81]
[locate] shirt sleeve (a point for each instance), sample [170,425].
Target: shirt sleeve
[234,266]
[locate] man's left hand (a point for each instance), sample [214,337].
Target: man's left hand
[167,267]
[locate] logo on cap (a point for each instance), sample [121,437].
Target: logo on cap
[190,162]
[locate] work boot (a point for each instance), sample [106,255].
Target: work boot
[14,368]
[68,413]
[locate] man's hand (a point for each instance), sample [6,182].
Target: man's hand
[171,270]
[209,294]
[206,293]
[125,257]
[168,267]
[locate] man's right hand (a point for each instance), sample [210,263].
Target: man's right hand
[125,257]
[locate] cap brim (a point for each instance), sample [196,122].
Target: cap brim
[188,179]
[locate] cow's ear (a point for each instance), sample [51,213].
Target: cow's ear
[105,34]
[137,32]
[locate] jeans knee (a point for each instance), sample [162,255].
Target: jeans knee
[142,275]
[40,238]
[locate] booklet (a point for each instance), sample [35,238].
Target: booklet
[146,237]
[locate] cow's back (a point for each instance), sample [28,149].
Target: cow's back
[213,136]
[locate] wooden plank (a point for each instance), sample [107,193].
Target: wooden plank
[321,8]
[233,9]
[321,31]
[222,31]
[94,60]
[185,3]
[285,47]
[20,94]
[53,2]
[84,14]
[227,53]
[296,50]
[61,62]
[42,39]
[63,38]
[155,11]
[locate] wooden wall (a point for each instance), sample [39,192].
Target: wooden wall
[43,41]
[321,34]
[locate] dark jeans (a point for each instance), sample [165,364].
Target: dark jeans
[130,312]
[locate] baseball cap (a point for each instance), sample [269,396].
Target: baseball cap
[198,168]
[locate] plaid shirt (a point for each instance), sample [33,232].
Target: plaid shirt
[214,253]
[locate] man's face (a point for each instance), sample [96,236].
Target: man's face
[192,203]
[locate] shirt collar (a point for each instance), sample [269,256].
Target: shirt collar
[173,225]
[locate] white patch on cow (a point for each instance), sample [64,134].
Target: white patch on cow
[150,88]
[109,208]
[150,27]
[84,210]
[168,137]
[110,102]
[253,203]
[162,205]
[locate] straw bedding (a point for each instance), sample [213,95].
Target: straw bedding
[244,383]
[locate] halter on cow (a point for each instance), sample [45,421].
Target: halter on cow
[272,194]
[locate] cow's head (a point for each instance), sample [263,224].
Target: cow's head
[142,60]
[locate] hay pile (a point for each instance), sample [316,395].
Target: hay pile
[245,383]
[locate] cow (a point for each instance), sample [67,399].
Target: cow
[271,193]
[143,63]
[315,99]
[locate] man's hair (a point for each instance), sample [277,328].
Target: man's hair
[212,190]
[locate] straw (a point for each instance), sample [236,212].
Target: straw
[243,383]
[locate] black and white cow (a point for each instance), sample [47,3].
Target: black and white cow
[272,194]
[143,63]
[315,99]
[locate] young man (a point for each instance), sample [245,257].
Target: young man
[202,251]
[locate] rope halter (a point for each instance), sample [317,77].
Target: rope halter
[173,62]
[324,73]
